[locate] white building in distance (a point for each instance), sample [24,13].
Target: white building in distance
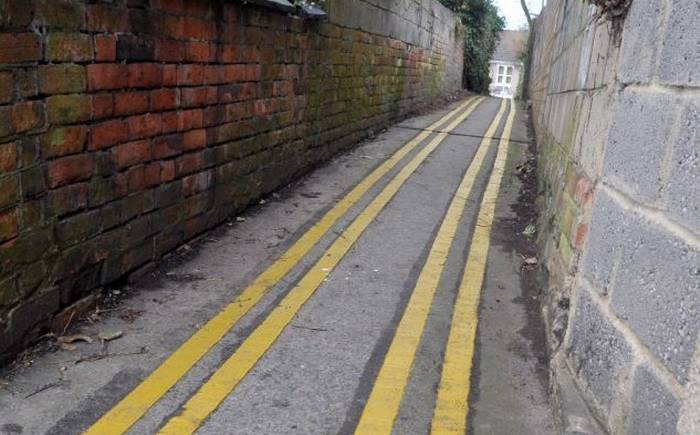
[506,66]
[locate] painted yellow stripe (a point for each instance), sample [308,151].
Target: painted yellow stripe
[225,379]
[452,405]
[384,400]
[130,409]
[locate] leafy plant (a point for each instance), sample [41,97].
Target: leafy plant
[482,25]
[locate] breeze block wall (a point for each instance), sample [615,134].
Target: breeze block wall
[130,126]
[616,111]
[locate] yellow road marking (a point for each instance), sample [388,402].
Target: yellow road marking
[384,400]
[132,407]
[452,404]
[225,379]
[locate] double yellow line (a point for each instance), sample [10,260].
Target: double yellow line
[452,403]
[130,409]
[451,408]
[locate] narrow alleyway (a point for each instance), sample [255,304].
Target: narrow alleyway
[383,293]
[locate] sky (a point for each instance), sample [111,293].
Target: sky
[511,9]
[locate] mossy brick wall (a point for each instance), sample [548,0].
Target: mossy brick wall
[615,108]
[130,126]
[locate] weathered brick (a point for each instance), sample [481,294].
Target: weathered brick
[102,105]
[16,14]
[641,124]
[136,179]
[69,109]
[170,122]
[19,47]
[167,146]
[170,75]
[63,141]
[29,313]
[62,79]
[196,97]
[107,76]
[69,169]
[167,50]
[164,99]
[189,119]
[145,75]
[105,48]
[9,190]
[132,153]
[598,352]
[195,28]
[68,47]
[172,6]
[6,87]
[194,139]
[32,213]
[147,125]
[137,256]
[200,51]
[32,181]
[100,191]
[173,27]
[8,225]
[105,18]
[152,174]
[135,48]
[8,157]
[61,14]
[28,150]
[27,116]
[188,163]
[67,199]
[191,75]
[26,82]
[129,103]
[167,170]
[78,228]
[655,409]
[108,133]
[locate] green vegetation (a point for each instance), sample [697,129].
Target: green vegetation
[481,27]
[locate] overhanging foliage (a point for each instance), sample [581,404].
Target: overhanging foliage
[482,25]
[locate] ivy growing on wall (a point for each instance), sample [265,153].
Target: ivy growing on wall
[482,25]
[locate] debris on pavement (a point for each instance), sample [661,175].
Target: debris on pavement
[109,336]
[44,388]
[529,230]
[104,355]
[530,261]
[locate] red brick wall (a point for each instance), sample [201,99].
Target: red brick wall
[130,126]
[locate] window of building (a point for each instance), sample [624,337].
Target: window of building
[505,74]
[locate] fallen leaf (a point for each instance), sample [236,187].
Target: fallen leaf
[68,346]
[109,336]
[529,230]
[74,338]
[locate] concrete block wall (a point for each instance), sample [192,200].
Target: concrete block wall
[615,108]
[130,126]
